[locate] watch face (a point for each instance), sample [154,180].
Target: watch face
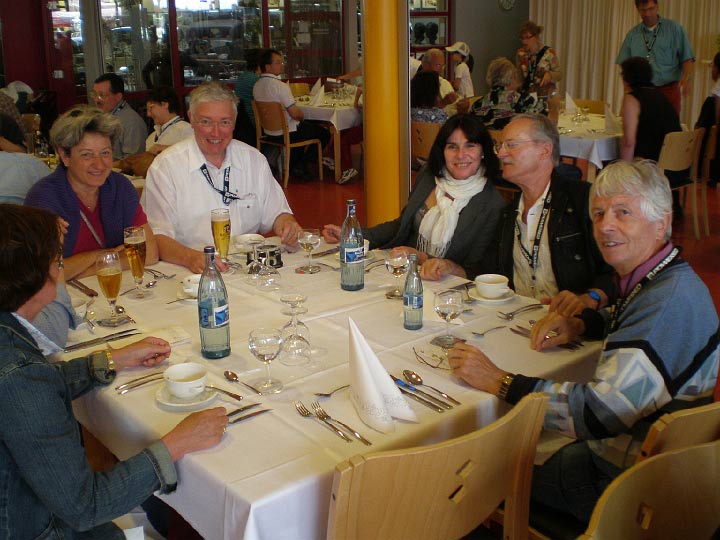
[507,4]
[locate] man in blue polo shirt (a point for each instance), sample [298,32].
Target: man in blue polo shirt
[665,44]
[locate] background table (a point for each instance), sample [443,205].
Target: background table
[588,141]
[271,476]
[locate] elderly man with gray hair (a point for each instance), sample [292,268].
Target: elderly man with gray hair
[434,60]
[207,171]
[660,351]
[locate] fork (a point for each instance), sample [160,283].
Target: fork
[302,411]
[510,316]
[157,274]
[320,412]
[482,334]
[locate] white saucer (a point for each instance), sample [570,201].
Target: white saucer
[241,241]
[167,401]
[507,297]
[368,258]
[185,297]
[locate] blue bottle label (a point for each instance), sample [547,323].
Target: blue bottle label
[214,317]
[221,315]
[354,254]
[413,301]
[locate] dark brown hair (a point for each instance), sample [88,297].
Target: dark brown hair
[475,132]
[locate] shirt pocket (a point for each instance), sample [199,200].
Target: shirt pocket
[571,245]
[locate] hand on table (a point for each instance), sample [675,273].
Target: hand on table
[196,262]
[147,352]
[567,329]
[568,304]
[199,431]
[472,365]
[287,229]
[331,233]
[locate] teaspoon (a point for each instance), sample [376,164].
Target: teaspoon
[120,310]
[233,377]
[416,379]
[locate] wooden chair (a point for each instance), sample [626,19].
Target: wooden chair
[593,106]
[422,137]
[30,126]
[672,496]
[271,116]
[681,151]
[443,490]
[299,88]
[707,157]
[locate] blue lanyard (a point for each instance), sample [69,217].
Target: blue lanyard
[228,196]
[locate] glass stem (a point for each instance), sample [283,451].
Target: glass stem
[113,314]
[267,370]
[447,324]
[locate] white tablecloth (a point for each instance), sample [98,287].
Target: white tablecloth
[340,113]
[271,476]
[588,140]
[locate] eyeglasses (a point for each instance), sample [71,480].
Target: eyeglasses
[222,124]
[511,144]
[432,360]
[102,96]
[90,156]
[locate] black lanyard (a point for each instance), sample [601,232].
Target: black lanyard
[621,304]
[228,196]
[650,44]
[532,260]
[164,129]
[533,61]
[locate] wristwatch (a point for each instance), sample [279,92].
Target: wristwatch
[505,383]
[595,296]
[104,374]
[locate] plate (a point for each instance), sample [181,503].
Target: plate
[368,258]
[185,297]
[472,292]
[167,401]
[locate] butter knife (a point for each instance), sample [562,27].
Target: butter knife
[241,409]
[234,396]
[101,340]
[250,415]
[330,251]
[82,287]
[432,399]
[424,401]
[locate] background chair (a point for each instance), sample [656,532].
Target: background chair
[443,490]
[422,137]
[708,155]
[269,115]
[672,496]
[299,88]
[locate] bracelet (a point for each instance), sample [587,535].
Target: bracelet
[505,383]
[108,357]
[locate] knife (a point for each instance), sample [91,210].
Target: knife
[82,287]
[222,391]
[526,333]
[330,251]
[241,409]
[100,340]
[262,411]
[133,381]
[125,390]
[246,385]
[424,401]
[432,399]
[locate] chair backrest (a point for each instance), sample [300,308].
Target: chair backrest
[299,88]
[422,137]
[709,152]
[679,429]
[671,496]
[680,150]
[593,106]
[444,490]
[270,116]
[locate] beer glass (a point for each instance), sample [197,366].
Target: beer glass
[109,276]
[135,250]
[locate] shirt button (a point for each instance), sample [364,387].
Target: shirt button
[578,257]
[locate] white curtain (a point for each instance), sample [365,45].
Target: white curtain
[587,35]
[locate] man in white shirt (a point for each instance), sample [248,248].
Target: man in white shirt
[109,97]
[163,107]
[434,60]
[207,171]
[270,88]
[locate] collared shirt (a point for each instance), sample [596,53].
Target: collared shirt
[269,87]
[18,173]
[174,130]
[134,131]
[177,198]
[47,347]
[669,48]
[627,283]
[545,283]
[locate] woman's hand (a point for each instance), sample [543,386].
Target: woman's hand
[331,233]
[147,352]
[399,251]
[435,269]
[475,368]
[198,431]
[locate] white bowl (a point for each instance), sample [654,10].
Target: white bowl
[185,381]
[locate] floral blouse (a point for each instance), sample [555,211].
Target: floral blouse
[529,65]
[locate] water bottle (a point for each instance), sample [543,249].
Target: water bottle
[352,253]
[413,297]
[213,310]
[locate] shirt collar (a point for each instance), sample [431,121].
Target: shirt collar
[47,346]
[537,204]
[119,106]
[166,124]
[197,159]
[627,283]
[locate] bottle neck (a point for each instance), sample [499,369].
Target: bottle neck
[210,260]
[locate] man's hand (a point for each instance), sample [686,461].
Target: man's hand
[567,329]
[287,229]
[568,304]
[331,234]
[198,431]
[147,352]
[399,251]
[475,368]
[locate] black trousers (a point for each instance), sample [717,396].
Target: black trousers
[301,157]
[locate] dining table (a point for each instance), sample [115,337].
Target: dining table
[587,137]
[271,475]
[338,112]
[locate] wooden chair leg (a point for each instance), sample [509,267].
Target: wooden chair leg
[320,162]
[693,195]
[703,201]
[286,167]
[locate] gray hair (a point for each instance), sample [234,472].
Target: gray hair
[642,179]
[542,129]
[69,129]
[212,91]
[427,58]
[501,72]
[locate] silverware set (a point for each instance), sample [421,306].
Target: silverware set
[525,332]
[246,416]
[511,315]
[100,340]
[422,397]
[157,274]
[302,411]
[341,429]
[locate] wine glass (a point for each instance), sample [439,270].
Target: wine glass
[135,251]
[220,222]
[255,266]
[296,347]
[449,305]
[109,275]
[308,239]
[265,345]
[267,278]
[397,266]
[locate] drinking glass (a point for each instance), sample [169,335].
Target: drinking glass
[220,222]
[255,266]
[397,266]
[135,251]
[296,347]
[109,275]
[265,345]
[448,305]
[308,239]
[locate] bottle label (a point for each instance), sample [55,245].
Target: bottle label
[222,315]
[413,301]
[354,254]
[214,317]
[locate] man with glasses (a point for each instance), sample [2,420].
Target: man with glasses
[270,88]
[211,170]
[109,96]
[545,241]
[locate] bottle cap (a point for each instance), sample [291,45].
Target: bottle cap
[351,201]
[209,249]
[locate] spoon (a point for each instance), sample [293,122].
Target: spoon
[233,377]
[416,379]
[331,392]
[120,310]
[150,284]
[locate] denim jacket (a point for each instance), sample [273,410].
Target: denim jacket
[47,489]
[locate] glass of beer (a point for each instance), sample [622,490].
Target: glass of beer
[220,220]
[135,251]
[109,275]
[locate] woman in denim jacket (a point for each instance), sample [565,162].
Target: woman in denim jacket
[47,489]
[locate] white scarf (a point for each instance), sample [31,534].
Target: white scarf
[438,225]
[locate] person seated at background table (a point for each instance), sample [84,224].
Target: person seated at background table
[270,88]
[434,60]
[245,82]
[48,488]
[18,171]
[211,170]
[540,68]
[497,107]
[709,116]
[660,351]
[96,202]
[12,137]
[544,241]
[163,106]
[453,210]
[424,98]
[109,96]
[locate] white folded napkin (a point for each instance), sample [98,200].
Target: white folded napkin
[373,393]
[316,87]
[612,123]
[318,98]
[570,107]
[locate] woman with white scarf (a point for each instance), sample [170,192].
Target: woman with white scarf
[453,211]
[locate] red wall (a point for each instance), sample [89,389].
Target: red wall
[23,42]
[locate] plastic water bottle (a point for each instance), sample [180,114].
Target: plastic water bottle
[413,297]
[352,253]
[213,310]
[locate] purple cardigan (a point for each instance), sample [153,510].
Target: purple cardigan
[118,205]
